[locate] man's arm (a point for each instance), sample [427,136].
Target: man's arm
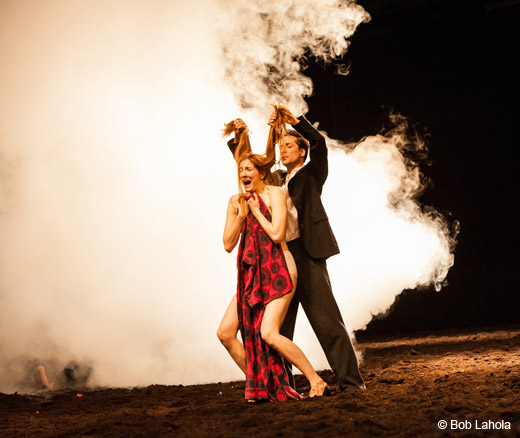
[318,161]
[239,127]
[232,146]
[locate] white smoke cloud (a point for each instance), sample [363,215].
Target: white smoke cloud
[408,246]
[266,43]
[114,181]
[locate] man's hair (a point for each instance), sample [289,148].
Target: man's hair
[300,141]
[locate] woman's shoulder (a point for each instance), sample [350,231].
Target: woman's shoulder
[276,191]
[234,199]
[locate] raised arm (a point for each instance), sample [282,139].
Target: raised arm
[232,145]
[318,161]
[276,228]
[234,220]
[239,125]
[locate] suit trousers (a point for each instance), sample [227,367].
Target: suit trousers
[314,293]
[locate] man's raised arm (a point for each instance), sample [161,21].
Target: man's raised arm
[239,127]
[318,161]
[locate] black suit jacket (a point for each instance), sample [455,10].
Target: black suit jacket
[305,191]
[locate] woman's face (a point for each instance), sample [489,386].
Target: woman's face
[249,176]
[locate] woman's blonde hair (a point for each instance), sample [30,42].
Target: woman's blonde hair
[278,129]
[263,163]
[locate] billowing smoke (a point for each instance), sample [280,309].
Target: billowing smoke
[383,226]
[114,181]
[266,44]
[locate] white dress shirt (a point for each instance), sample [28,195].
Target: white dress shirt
[292,231]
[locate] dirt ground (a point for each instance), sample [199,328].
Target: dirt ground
[470,378]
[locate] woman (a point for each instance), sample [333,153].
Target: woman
[266,279]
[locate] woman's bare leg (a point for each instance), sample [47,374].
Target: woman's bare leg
[44,378]
[274,315]
[227,334]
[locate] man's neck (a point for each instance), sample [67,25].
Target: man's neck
[291,169]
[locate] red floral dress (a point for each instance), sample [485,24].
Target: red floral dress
[262,277]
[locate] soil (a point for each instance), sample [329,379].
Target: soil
[470,378]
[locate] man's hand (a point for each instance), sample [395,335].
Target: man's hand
[272,119]
[293,120]
[239,127]
[290,118]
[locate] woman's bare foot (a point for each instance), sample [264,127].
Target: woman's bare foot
[321,389]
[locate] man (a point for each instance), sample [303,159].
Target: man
[311,241]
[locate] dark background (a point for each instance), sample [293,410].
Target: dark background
[452,67]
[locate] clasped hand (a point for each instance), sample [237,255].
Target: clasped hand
[253,202]
[292,120]
[240,125]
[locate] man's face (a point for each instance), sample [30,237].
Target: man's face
[290,153]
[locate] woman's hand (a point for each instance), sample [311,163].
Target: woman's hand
[243,208]
[275,228]
[254,203]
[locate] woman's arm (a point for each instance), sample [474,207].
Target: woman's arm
[234,220]
[275,229]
